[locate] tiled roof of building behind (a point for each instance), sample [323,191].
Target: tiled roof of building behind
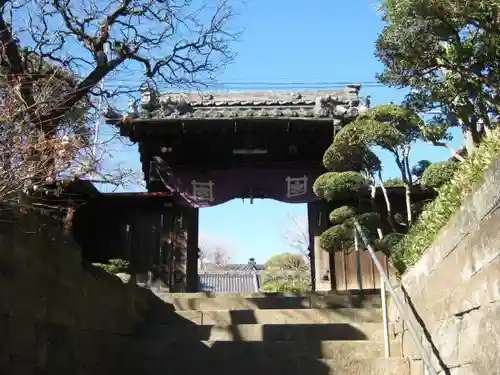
[230,267]
[229,281]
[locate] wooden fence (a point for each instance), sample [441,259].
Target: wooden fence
[356,270]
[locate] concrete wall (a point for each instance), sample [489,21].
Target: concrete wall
[455,288]
[58,316]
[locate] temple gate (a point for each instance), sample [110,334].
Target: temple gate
[205,149]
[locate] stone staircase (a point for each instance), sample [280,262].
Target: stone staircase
[237,334]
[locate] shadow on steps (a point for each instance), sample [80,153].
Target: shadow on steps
[311,300]
[169,344]
[154,351]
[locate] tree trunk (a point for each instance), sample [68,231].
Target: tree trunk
[409,216]
[373,189]
[469,141]
[473,137]
[390,219]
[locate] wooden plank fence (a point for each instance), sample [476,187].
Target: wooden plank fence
[349,275]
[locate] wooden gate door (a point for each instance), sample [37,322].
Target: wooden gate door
[356,270]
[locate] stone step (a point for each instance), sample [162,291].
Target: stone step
[271,366]
[263,294]
[255,350]
[270,316]
[268,301]
[264,332]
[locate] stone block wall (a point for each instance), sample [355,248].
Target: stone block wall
[58,315]
[454,289]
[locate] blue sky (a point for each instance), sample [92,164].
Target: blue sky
[294,41]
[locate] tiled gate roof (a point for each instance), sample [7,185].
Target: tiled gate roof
[336,103]
[228,281]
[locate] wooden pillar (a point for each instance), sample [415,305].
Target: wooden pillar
[185,250]
[320,259]
[311,217]
[166,269]
[179,240]
[192,220]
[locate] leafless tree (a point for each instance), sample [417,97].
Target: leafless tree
[217,256]
[214,250]
[296,234]
[29,161]
[54,54]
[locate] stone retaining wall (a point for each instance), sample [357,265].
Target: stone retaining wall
[58,316]
[454,289]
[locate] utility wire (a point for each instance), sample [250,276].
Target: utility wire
[123,82]
[239,83]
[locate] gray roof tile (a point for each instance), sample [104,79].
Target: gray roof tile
[249,104]
[229,282]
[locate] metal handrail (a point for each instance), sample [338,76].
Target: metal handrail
[399,305]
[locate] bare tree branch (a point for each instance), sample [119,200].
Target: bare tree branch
[174,43]
[54,54]
[215,251]
[296,234]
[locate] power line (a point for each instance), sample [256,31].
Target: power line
[241,83]
[257,83]
[298,83]
[226,86]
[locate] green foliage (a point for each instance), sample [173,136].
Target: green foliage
[337,238]
[436,129]
[394,182]
[341,236]
[388,245]
[333,186]
[389,241]
[345,156]
[388,126]
[286,261]
[272,283]
[418,169]
[370,221]
[287,272]
[114,266]
[404,120]
[449,51]
[439,173]
[341,214]
[391,127]
[451,195]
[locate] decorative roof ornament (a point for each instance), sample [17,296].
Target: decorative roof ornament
[183,106]
[320,109]
[150,101]
[368,101]
[145,96]
[252,263]
[296,95]
[353,112]
[328,106]
[132,111]
[174,108]
[341,110]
